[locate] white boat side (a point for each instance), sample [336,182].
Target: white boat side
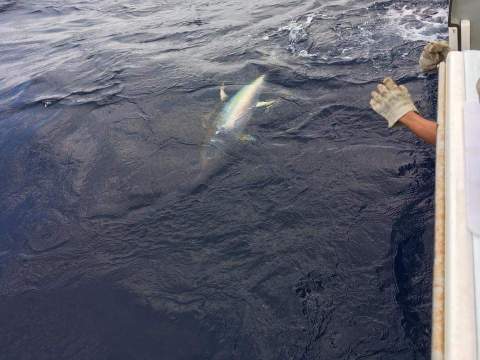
[456,283]
[460,312]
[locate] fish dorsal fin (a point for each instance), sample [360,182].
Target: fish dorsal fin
[223,94]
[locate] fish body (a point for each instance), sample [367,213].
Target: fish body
[230,124]
[228,130]
[237,112]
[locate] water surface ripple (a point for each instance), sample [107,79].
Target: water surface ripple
[312,242]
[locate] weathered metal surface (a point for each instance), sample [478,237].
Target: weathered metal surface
[438,297]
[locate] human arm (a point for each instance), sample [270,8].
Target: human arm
[423,128]
[395,104]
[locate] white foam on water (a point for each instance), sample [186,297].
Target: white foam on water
[297,33]
[309,20]
[358,38]
[418,24]
[306,54]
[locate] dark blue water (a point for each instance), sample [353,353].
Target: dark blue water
[312,242]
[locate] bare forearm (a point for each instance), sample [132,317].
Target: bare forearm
[423,128]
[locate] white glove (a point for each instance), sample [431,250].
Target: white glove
[433,54]
[391,101]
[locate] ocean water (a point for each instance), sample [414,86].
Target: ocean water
[312,242]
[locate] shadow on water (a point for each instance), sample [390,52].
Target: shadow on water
[414,256]
[100,321]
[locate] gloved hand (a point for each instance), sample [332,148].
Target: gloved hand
[433,54]
[391,101]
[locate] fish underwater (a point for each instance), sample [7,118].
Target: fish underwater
[229,127]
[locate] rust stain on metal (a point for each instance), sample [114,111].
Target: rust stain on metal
[438,296]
